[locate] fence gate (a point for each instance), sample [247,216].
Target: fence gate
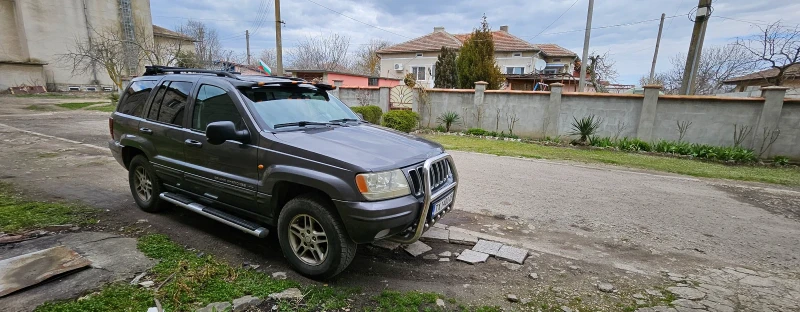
[400,98]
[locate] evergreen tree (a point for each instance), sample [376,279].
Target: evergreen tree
[446,69]
[476,60]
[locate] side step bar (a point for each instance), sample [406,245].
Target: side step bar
[231,220]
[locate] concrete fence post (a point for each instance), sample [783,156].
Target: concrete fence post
[337,84]
[647,118]
[769,118]
[480,88]
[553,112]
[383,100]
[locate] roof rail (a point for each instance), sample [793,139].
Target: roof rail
[158,69]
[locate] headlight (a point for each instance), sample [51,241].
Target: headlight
[383,185]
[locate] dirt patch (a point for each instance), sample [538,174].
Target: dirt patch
[779,202]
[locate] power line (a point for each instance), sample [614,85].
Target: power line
[676,12]
[755,22]
[370,25]
[556,20]
[611,26]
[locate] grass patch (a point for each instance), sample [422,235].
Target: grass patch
[104,108]
[785,176]
[41,108]
[17,214]
[46,95]
[77,105]
[193,282]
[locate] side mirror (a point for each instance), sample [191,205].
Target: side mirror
[220,131]
[360,115]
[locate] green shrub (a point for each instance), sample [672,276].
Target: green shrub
[114,97]
[440,128]
[633,145]
[492,133]
[371,113]
[601,142]
[780,160]
[585,127]
[401,120]
[477,131]
[511,136]
[704,151]
[448,119]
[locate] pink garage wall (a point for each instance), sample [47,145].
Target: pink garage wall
[359,81]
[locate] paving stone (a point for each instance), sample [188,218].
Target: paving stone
[686,303]
[436,234]
[512,298]
[386,244]
[472,257]
[533,276]
[687,293]
[565,309]
[639,296]
[417,248]
[288,294]
[757,281]
[461,238]
[663,309]
[147,284]
[440,225]
[716,307]
[487,247]
[511,266]
[444,259]
[685,309]
[605,287]
[216,306]
[279,275]
[644,310]
[653,292]
[446,254]
[512,254]
[746,271]
[246,302]
[430,257]
[440,302]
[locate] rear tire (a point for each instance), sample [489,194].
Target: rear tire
[303,224]
[145,185]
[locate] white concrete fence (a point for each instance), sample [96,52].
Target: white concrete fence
[650,117]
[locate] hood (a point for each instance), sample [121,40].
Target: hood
[367,146]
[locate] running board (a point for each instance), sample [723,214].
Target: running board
[231,220]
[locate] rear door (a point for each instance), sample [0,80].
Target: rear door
[228,172]
[164,128]
[132,105]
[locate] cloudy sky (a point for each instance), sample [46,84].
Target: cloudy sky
[627,29]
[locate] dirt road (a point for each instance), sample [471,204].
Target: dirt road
[586,224]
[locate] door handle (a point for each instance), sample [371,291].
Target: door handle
[193,143]
[145,130]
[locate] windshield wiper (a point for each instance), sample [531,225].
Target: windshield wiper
[301,124]
[344,120]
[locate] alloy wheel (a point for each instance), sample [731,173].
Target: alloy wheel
[143,185]
[307,239]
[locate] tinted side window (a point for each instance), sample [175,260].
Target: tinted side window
[132,102]
[170,108]
[156,106]
[214,104]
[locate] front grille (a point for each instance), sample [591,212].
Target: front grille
[440,173]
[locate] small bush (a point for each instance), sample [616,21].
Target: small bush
[401,120]
[780,160]
[633,145]
[510,136]
[477,131]
[448,119]
[585,127]
[371,113]
[440,128]
[601,142]
[492,133]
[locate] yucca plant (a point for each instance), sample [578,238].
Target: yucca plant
[448,119]
[585,127]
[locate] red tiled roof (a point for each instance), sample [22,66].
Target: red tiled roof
[793,71]
[503,41]
[550,49]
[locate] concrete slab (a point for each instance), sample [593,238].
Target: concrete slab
[117,256]
[385,244]
[436,234]
[487,247]
[513,254]
[462,238]
[472,257]
[417,248]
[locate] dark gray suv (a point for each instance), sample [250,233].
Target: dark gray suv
[259,152]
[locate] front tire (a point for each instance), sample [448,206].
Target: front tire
[145,185]
[313,238]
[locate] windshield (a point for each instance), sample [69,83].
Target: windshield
[285,105]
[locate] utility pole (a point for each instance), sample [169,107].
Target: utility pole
[584,58]
[247,38]
[695,47]
[278,43]
[655,55]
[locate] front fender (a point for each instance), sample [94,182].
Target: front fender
[334,187]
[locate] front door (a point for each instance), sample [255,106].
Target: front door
[227,172]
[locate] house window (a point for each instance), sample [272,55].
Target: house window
[515,70]
[433,70]
[419,54]
[550,71]
[418,72]
[372,81]
[517,54]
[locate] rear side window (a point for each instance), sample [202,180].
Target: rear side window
[132,102]
[214,104]
[170,101]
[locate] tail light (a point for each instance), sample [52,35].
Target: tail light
[111,126]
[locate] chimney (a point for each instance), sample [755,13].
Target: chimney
[438,29]
[504,28]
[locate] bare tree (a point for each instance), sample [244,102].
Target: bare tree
[601,69]
[107,48]
[425,106]
[717,64]
[776,47]
[326,53]
[512,120]
[367,61]
[207,46]
[363,96]
[480,110]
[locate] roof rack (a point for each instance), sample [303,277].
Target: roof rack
[158,69]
